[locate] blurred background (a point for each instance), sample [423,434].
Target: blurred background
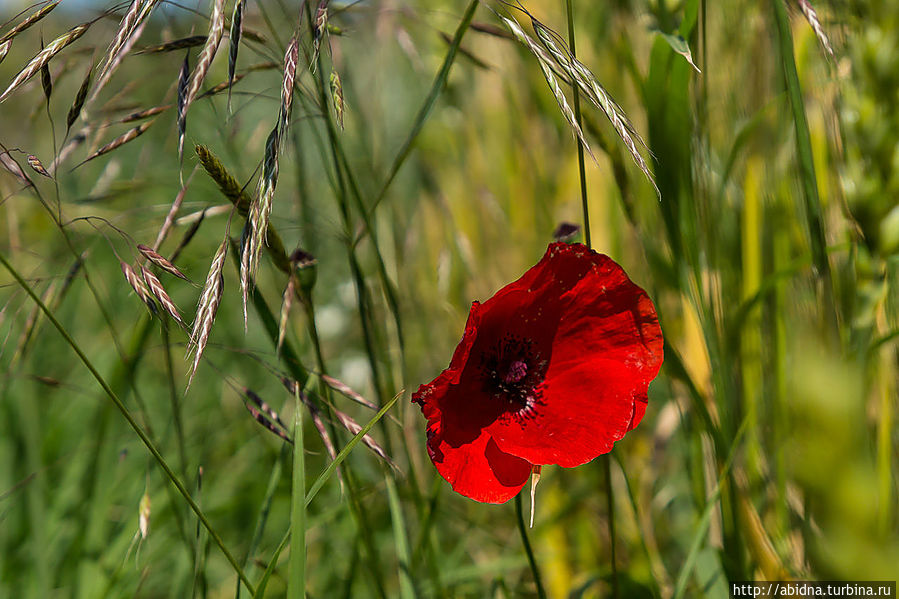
[769,449]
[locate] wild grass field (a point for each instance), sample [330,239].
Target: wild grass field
[237,236]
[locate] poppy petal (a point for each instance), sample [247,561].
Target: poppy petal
[608,315]
[462,453]
[477,468]
[584,410]
[606,350]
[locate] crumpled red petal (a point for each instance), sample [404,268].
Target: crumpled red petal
[478,468]
[462,453]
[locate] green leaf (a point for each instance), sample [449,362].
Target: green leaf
[679,45]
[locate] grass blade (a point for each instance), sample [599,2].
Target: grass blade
[813,211]
[425,111]
[326,474]
[706,518]
[296,580]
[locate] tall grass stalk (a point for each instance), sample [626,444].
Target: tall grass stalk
[808,178]
[576,102]
[296,579]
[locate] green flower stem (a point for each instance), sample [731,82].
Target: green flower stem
[610,510]
[131,421]
[522,528]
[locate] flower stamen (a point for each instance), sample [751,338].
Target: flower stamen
[513,371]
[517,371]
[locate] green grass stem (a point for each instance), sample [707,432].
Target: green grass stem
[342,455]
[576,101]
[699,535]
[296,579]
[400,538]
[808,179]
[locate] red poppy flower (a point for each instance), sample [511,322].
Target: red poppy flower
[553,369]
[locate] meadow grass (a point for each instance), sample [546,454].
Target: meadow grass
[237,236]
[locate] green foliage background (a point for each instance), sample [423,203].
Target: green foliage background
[769,449]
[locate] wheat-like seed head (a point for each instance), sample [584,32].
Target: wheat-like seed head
[353,428]
[220,87]
[323,433]
[259,417]
[234,44]
[261,209]
[337,98]
[319,27]
[44,56]
[143,520]
[553,55]
[267,409]
[290,72]
[43,12]
[120,141]
[216,29]
[347,391]
[36,165]
[286,304]
[210,298]
[178,44]
[129,32]
[46,79]
[183,83]
[138,285]
[160,261]
[812,17]
[227,184]
[232,190]
[159,292]
[126,27]
[245,267]
[145,114]
[546,65]
[80,97]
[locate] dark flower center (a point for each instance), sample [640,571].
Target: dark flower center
[517,371]
[513,371]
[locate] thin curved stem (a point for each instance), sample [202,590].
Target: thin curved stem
[585,206]
[541,593]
